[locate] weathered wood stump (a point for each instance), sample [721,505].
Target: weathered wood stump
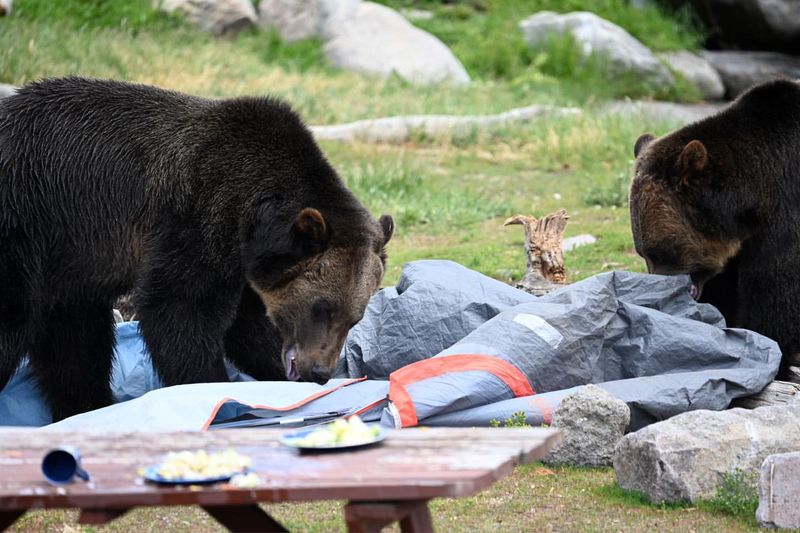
[776,393]
[543,241]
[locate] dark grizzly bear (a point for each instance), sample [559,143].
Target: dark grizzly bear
[720,200]
[214,213]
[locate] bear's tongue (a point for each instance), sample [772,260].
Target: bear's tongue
[291,368]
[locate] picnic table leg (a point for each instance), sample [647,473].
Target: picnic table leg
[364,517]
[7,518]
[244,518]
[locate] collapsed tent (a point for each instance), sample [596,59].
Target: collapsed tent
[460,348]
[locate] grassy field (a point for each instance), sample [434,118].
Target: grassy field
[449,196]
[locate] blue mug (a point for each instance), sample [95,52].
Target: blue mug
[62,465]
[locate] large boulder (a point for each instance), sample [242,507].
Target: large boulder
[750,24]
[593,422]
[365,37]
[295,20]
[697,71]
[596,36]
[375,39]
[687,456]
[219,17]
[742,70]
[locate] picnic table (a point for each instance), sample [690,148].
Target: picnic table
[388,482]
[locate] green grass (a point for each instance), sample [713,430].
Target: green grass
[485,36]
[450,200]
[130,40]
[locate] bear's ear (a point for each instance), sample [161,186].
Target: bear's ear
[641,143]
[311,230]
[693,158]
[387,225]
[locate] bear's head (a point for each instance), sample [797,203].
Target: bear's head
[683,217]
[316,274]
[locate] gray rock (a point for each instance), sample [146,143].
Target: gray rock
[741,70]
[679,114]
[593,421]
[375,39]
[779,491]
[293,19]
[687,456]
[303,19]
[698,72]
[219,17]
[570,243]
[5,7]
[401,129]
[597,36]
[6,90]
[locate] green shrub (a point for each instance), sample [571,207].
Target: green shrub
[737,496]
[516,420]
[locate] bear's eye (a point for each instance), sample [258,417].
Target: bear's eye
[659,258]
[323,310]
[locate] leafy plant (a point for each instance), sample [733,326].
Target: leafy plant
[516,420]
[737,496]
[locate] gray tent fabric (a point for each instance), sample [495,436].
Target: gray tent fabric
[643,335]
[434,305]
[461,349]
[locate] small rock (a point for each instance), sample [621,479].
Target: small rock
[593,421]
[7,90]
[597,36]
[698,72]
[779,491]
[687,456]
[219,17]
[741,70]
[570,243]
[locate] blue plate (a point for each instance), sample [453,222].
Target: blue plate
[151,474]
[294,440]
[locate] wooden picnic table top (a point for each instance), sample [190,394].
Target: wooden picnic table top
[411,464]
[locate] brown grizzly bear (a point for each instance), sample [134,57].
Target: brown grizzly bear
[214,213]
[720,200]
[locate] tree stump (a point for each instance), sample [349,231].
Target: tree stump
[543,241]
[776,393]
